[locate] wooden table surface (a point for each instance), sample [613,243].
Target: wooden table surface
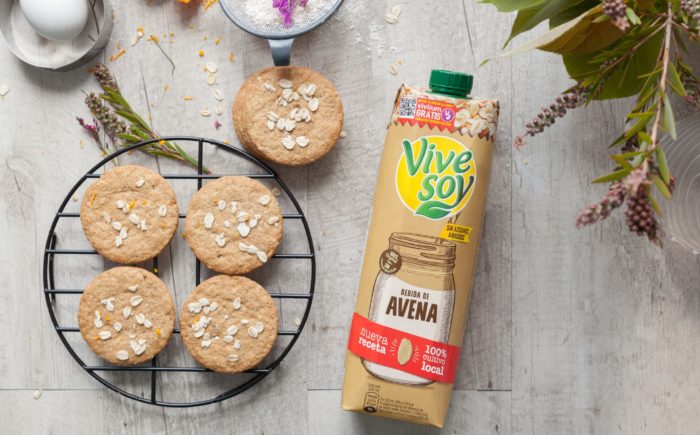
[591,331]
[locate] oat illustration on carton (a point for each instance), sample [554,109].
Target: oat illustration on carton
[414,290]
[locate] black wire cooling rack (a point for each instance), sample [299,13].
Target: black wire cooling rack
[51,291]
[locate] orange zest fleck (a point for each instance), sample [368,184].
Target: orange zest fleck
[209,3]
[107,318]
[157,331]
[217,40]
[131,205]
[144,202]
[161,142]
[200,53]
[116,56]
[231,57]
[188,98]
[155,270]
[165,88]
[92,199]
[153,38]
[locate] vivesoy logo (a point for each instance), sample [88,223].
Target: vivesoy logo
[435,176]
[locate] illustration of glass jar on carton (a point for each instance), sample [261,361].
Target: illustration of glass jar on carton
[415,284]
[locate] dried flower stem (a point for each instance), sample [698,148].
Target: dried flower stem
[134,129]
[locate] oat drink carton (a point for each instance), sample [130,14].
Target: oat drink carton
[414,289]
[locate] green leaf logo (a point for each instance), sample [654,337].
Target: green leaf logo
[434,209]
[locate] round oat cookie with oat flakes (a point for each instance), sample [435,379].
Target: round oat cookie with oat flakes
[288,115]
[229,323]
[126,315]
[130,214]
[233,225]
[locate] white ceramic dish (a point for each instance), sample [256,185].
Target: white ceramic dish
[40,52]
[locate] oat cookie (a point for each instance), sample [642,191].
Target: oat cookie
[130,214]
[229,323]
[289,115]
[126,315]
[233,225]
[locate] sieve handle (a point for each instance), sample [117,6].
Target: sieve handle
[281,50]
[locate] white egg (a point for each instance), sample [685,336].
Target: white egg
[58,20]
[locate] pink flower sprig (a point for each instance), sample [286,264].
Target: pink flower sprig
[286,9]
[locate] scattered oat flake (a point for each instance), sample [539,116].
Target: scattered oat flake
[205,113]
[162,210]
[208,221]
[276,191]
[122,355]
[261,256]
[135,300]
[133,288]
[343,134]
[37,394]
[211,67]
[217,95]
[218,108]
[237,304]
[393,69]
[4,89]
[264,200]
[297,321]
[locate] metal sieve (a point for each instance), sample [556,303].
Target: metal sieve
[279,37]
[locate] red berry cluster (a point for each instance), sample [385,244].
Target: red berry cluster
[549,115]
[601,210]
[617,11]
[692,8]
[640,215]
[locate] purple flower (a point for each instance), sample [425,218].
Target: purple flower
[286,9]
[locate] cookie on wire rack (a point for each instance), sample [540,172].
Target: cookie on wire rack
[229,323]
[233,225]
[130,214]
[289,115]
[126,315]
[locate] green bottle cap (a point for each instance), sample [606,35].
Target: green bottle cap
[451,82]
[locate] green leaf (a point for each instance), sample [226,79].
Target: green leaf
[572,12]
[615,176]
[638,126]
[625,80]
[661,186]
[602,19]
[632,17]
[644,137]
[433,210]
[513,5]
[669,120]
[579,35]
[622,162]
[675,81]
[655,205]
[663,165]
[640,115]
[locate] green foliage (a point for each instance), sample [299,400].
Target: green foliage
[611,53]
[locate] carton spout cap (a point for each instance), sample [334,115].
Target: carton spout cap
[451,83]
